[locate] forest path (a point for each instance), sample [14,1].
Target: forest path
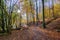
[32,33]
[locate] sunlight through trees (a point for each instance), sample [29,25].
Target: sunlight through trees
[15,13]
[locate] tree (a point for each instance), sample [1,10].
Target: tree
[2,6]
[28,10]
[53,8]
[49,9]
[37,19]
[32,10]
[43,14]
[9,13]
[3,15]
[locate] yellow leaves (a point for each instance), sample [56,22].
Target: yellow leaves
[27,7]
[26,3]
[40,16]
[57,9]
[49,12]
[21,0]
[46,11]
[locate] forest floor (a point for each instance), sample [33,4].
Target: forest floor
[36,33]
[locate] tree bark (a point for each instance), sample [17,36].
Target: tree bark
[37,19]
[43,14]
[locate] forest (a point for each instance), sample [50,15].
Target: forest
[29,19]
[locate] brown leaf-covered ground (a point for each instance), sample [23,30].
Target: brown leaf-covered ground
[54,25]
[35,33]
[32,33]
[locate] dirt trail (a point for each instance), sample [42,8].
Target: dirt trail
[32,33]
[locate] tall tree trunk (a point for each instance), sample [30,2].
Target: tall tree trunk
[27,17]
[3,22]
[53,9]
[20,16]
[37,19]
[9,19]
[2,16]
[43,14]
[32,12]
[49,9]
